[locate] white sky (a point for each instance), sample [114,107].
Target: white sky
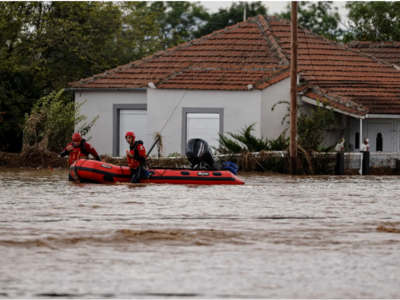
[273,6]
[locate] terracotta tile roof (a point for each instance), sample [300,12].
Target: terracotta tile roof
[225,78]
[387,51]
[241,48]
[257,53]
[334,100]
[339,70]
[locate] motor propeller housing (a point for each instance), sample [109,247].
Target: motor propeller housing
[200,155]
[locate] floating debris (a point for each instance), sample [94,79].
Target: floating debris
[388,229]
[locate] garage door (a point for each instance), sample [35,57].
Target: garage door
[203,126]
[132,120]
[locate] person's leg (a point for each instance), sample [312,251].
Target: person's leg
[146,174]
[136,175]
[70,178]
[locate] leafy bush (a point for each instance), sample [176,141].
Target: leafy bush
[52,122]
[312,130]
[175,154]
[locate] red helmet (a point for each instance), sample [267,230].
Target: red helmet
[130,133]
[76,137]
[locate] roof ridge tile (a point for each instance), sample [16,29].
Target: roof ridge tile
[271,39]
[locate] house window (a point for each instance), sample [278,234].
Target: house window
[202,123]
[203,126]
[357,142]
[379,142]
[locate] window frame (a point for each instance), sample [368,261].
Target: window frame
[199,110]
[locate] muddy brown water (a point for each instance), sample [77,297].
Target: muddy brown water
[274,237]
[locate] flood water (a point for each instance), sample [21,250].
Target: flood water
[274,237]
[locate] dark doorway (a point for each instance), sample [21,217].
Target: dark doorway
[357,143]
[379,142]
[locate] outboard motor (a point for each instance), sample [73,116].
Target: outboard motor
[200,155]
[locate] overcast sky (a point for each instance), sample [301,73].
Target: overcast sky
[273,6]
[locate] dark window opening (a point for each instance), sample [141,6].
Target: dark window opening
[357,143]
[379,142]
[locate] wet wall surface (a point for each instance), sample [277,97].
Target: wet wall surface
[274,237]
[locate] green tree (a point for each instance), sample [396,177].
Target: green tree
[373,21]
[230,16]
[52,122]
[45,45]
[14,95]
[318,17]
[178,20]
[140,34]
[312,129]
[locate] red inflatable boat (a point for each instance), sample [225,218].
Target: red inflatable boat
[100,172]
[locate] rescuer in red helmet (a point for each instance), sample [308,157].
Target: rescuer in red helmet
[136,156]
[78,149]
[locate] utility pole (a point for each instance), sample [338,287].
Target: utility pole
[293,93]
[244,10]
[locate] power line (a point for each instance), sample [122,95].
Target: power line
[174,110]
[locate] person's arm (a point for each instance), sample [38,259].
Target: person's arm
[140,153]
[89,148]
[65,152]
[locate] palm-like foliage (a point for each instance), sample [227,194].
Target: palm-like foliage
[246,141]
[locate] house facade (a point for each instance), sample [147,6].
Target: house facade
[179,114]
[232,78]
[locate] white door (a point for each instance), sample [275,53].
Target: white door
[131,120]
[203,126]
[380,138]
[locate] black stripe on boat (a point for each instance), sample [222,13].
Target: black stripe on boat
[200,178]
[104,172]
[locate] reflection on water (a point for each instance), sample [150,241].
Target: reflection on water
[275,237]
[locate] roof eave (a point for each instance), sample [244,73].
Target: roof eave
[314,102]
[382,116]
[105,89]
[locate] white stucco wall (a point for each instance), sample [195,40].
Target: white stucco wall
[241,108]
[271,126]
[101,104]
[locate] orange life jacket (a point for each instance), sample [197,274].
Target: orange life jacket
[133,163]
[75,154]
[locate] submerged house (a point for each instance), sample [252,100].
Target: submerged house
[232,78]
